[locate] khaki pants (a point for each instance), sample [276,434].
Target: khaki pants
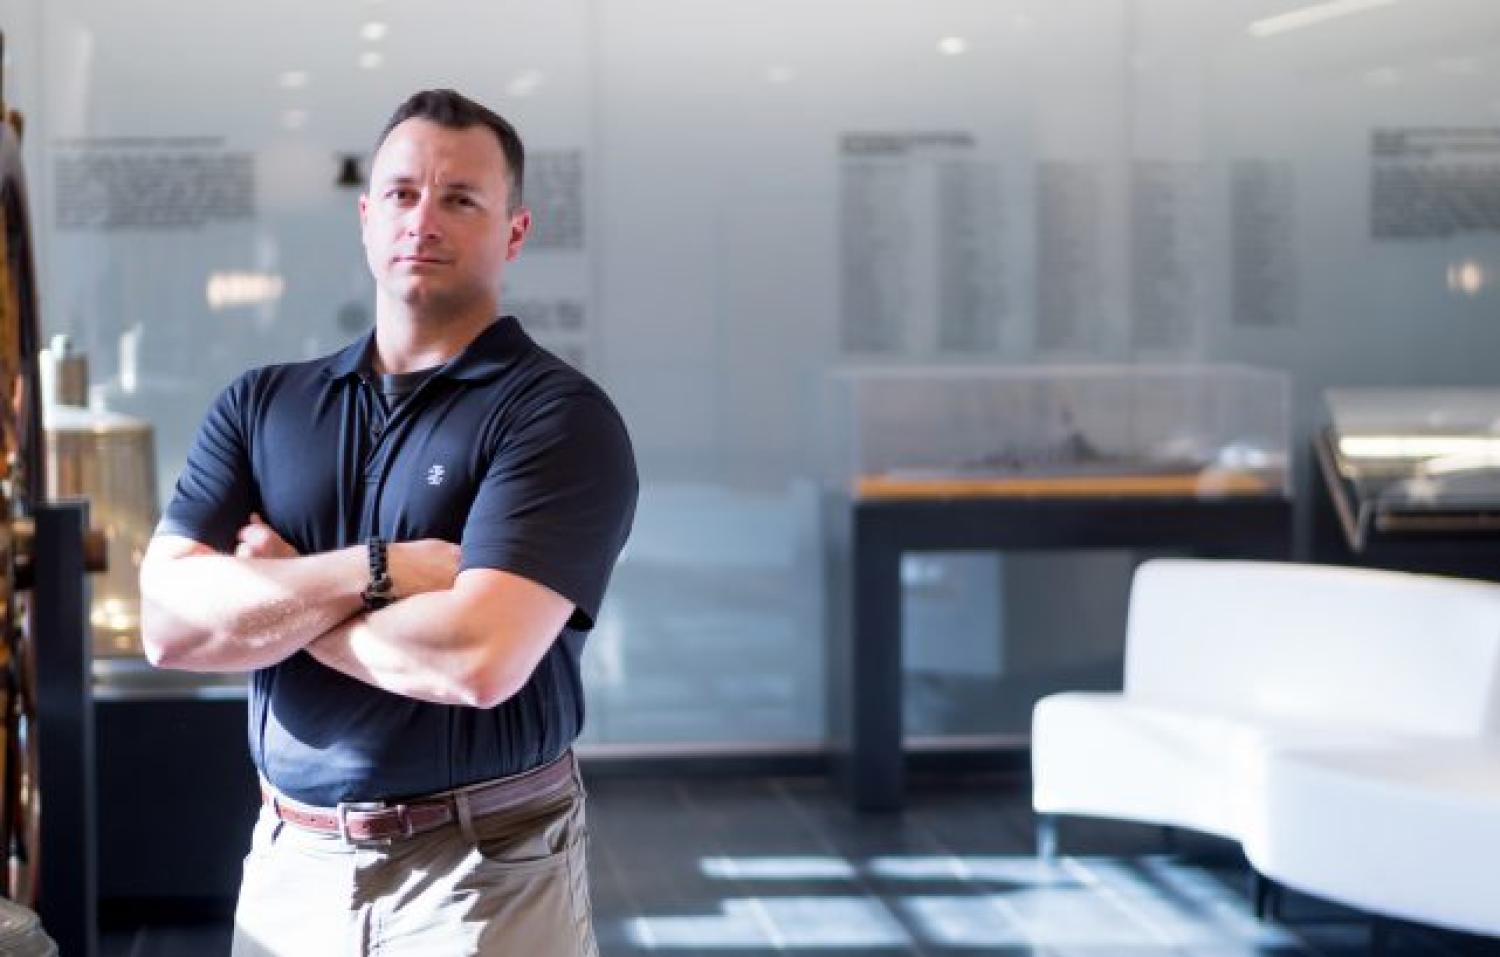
[514,883]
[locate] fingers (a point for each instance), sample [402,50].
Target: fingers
[259,540]
[254,543]
[253,526]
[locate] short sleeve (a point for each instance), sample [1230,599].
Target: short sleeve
[557,501]
[215,493]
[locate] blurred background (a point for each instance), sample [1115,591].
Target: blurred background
[734,201]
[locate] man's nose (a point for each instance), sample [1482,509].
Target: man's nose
[422,218]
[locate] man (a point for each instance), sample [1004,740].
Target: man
[407,542]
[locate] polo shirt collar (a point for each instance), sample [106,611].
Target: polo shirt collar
[484,358]
[490,352]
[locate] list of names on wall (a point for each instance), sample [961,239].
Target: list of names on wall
[158,183]
[1069,280]
[1263,262]
[554,193]
[920,244]
[1166,253]
[1429,183]
[551,293]
[875,219]
[971,290]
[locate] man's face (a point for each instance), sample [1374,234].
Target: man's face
[436,222]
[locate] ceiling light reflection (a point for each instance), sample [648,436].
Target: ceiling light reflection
[225,290]
[293,79]
[524,83]
[1467,278]
[1310,15]
[374,31]
[952,46]
[370,60]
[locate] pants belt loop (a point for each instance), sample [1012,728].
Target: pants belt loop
[465,816]
[572,760]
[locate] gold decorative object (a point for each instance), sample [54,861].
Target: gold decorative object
[109,459]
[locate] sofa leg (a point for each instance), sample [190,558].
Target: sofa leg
[1046,838]
[1380,936]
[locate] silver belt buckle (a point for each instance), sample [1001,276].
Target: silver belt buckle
[342,810]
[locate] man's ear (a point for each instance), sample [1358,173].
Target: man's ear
[520,228]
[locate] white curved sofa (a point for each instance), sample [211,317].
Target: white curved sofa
[1342,724]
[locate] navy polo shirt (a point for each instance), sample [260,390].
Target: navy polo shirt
[507,451]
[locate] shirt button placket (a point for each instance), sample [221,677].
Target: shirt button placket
[366,482]
[369,484]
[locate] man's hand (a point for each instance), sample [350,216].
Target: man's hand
[259,540]
[427,565]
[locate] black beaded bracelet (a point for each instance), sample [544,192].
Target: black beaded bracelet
[378,593]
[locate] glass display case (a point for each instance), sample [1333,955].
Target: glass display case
[1413,463]
[1204,431]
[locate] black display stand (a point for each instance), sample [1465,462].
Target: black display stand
[178,800]
[867,539]
[67,892]
[147,798]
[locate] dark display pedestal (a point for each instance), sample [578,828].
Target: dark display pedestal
[177,797]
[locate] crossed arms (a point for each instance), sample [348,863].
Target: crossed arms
[466,638]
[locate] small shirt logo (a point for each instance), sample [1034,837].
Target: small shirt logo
[436,474]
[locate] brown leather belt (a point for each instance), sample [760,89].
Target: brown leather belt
[361,822]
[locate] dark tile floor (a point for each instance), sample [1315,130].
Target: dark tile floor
[734,868]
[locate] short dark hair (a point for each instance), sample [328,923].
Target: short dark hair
[455,111]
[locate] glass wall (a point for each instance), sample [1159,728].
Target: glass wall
[736,200]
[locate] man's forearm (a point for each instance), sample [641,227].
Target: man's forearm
[475,644]
[210,612]
[414,648]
